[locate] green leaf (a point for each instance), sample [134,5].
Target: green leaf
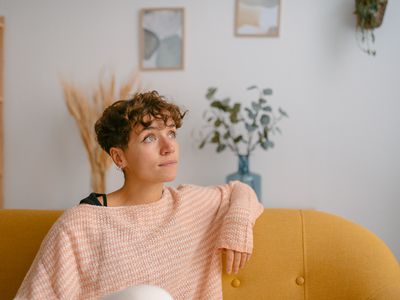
[210,92]
[219,105]
[236,107]
[283,113]
[217,123]
[202,143]
[267,91]
[260,137]
[252,87]
[226,135]
[267,144]
[234,118]
[221,148]
[255,106]
[226,101]
[265,119]
[216,104]
[237,139]
[267,108]
[215,138]
[210,119]
[262,101]
[278,129]
[251,128]
[250,113]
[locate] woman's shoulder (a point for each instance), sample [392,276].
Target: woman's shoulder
[76,216]
[190,186]
[183,187]
[190,190]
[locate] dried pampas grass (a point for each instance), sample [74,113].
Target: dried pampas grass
[87,110]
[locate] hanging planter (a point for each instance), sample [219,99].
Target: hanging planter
[370,15]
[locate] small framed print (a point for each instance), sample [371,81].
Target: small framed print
[259,18]
[161,39]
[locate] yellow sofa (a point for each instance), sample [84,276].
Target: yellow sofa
[298,254]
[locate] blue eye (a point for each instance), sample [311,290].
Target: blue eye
[172,133]
[149,138]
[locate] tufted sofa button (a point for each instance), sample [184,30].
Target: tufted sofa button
[300,280]
[235,283]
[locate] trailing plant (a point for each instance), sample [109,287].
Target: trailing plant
[369,17]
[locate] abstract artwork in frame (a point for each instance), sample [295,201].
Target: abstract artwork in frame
[257,18]
[161,38]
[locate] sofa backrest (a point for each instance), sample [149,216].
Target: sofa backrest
[309,254]
[298,254]
[22,232]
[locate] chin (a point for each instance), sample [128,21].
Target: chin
[169,178]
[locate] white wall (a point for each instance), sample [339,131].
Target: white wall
[339,149]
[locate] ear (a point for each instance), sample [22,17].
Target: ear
[118,156]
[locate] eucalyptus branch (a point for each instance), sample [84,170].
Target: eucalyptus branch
[233,147]
[254,146]
[252,132]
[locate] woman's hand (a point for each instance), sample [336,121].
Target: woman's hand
[235,260]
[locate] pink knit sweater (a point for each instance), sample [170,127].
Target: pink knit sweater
[174,243]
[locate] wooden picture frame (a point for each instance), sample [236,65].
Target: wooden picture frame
[161,44]
[257,18]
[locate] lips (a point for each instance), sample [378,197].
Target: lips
[168,163]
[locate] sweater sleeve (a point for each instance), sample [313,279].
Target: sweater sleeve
[54,271]
[239,208]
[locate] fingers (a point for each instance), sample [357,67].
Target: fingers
[229,260]
[235,260]
[243,260]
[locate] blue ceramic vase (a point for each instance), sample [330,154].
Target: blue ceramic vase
[244,175]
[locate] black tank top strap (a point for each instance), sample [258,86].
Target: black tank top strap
[93,200]
[104,199]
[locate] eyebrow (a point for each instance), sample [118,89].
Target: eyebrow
[152,127]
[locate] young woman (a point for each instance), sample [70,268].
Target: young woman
[145,233]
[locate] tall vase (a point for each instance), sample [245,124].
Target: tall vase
[244,175]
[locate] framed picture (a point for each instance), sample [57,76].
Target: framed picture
[161,39]
[257,18]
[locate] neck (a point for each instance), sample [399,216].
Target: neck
[134,193]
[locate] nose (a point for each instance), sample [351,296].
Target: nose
[167,146]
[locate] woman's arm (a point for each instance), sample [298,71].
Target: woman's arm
[240,209]
[232,209]
[54,271]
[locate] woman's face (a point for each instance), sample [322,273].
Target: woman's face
[153,152]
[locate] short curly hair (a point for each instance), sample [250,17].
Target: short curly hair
[113,128]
